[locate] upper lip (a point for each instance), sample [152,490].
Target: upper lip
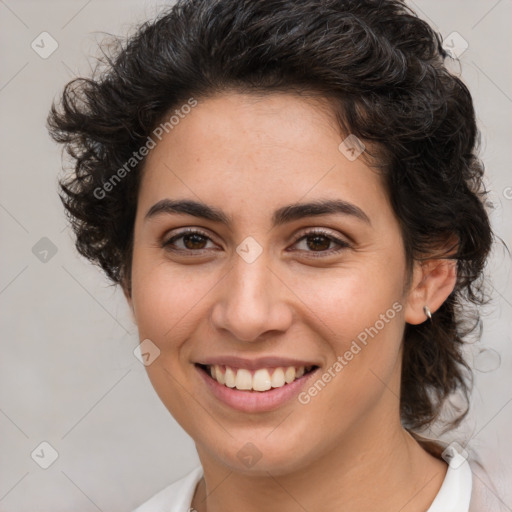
[255,364]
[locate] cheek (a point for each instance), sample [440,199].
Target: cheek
[167,304]
[359,312]
[348,300]
[165,298]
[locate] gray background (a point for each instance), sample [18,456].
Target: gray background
[68,375]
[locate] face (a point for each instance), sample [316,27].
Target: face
[252,283]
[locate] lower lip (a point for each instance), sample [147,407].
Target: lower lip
[255,401]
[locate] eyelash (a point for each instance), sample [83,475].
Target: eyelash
[316,254]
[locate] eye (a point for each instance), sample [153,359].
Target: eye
[188,240]
[319,241]
[315,241]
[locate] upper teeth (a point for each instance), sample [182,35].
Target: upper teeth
[261,380]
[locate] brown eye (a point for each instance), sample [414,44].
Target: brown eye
[320,242]
[194,241]
[187,241]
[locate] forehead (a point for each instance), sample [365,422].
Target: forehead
[251,153]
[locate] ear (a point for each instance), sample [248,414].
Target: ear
[126,287]
[432,282]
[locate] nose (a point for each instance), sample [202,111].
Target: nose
[252,302]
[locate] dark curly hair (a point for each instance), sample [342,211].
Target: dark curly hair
[382,70]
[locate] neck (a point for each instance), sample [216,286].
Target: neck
[391,472]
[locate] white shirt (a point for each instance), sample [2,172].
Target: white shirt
[453,496]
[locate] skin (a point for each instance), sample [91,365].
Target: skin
[249,155]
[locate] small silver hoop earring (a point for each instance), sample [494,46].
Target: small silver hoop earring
[427,312]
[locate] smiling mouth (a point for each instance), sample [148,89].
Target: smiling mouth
[259,380]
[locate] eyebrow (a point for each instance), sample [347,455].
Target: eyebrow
[281,216]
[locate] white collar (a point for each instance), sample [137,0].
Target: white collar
[455,493]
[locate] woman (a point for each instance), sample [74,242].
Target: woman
[289,195]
